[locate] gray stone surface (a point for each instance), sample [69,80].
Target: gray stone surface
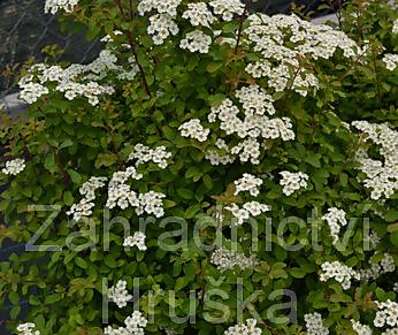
[12,104]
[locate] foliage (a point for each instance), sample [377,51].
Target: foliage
[146,93]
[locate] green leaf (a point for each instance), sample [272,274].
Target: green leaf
[68,198]
[193,172]
[50,164]
[75,176]
[208,182]
[51,299]
[185,193]
[13,297]
[213,67]
[81,262]
[110,261]
[106,160]
[391,216]
[297,273]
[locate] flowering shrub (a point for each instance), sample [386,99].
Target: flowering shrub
[213,171]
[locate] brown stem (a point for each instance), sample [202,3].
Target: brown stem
[133,46]
[379,94]
[240,29]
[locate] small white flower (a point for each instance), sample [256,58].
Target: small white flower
[14,167]
[314,324]
[168,7]
[143,154]
[194,129]
[335,219]
[340,272]
[248,183]
[395,27]
[387,314]
[247,328]
[134,325]
[292,182]
[381,175]
[199,14]
[227,8]
[137,240]
[31,92]
[391,61]
[196,41]
[53,6]
[252,208]
[255,100]
[27,329]
[119,294]
[361,329]
[161,27]
[225,260]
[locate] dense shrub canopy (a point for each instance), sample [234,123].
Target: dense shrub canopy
[214,171]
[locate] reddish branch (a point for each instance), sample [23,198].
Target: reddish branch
[130,39]
[240,29]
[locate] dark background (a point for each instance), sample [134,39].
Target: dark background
[25,30]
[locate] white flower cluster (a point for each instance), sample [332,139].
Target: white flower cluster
[292,181]
[85,207]
[247,328]
[121,195]
[151,203]
[14,167]
[161,27]
[162,24]
[31,92]
[27,329]
[108,38]
[161,6]
[194,129]
[282,40]
[227,8]
[53,6]
[395,27]
[361,329]
[119,294]
[75,80]
[144,154]
[137,240]
[199,14]
[377,269]
[196,41]
[374,240]
[254,125]
[225,260]
[134,325]
[314,324]
[336,218]
[255,100]
[391,61]
[220,155]
[382,177]
[248,182]
[340,272]
[252,208]
[387,314]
